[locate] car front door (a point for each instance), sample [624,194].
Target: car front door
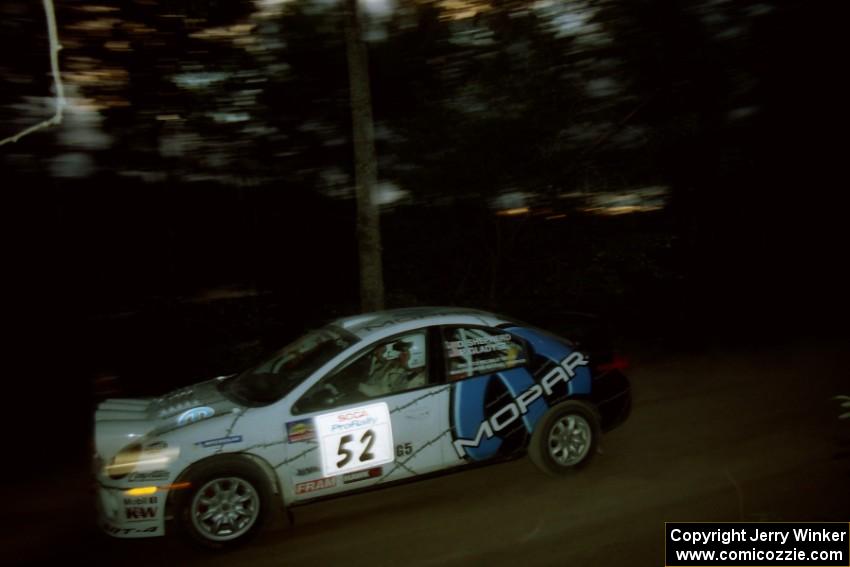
[378,418]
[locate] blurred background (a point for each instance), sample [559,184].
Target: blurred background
[670,165]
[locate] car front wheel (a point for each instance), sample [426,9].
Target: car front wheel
[565,438]
[226,504]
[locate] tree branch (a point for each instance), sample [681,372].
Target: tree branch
[53,37]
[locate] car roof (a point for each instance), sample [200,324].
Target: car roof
[383,322]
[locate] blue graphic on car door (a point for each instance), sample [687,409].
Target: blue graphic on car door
[494,414]
[471,407]
[556,352]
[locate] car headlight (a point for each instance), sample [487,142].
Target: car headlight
[134,457]
[124,462]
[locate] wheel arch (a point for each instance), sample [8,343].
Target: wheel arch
[254,460]
[586,400]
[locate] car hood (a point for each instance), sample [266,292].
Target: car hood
[121,421]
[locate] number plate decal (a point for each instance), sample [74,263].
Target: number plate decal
[355,439]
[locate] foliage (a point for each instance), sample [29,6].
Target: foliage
[208,143]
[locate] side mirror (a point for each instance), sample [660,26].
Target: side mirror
[329,393]
[324,396]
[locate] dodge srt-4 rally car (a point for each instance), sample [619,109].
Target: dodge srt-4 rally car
[362,402]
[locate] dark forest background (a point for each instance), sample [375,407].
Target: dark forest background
[673,166]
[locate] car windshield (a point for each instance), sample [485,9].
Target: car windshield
[275,377]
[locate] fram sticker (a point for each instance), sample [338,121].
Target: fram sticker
[314,485]
[301,430]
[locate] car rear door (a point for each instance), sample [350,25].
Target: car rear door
[493,401]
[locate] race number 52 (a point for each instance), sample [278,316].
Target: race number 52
[355,439]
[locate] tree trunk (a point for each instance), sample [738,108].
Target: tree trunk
[366,168]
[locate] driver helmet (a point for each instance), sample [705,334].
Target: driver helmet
[414,345]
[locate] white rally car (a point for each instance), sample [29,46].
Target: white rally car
[362,402]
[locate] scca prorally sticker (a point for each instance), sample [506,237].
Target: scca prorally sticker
[355,439]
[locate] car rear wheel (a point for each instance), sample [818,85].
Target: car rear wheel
[565,438]
[226,504]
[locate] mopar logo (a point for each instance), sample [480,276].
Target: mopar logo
[195,414]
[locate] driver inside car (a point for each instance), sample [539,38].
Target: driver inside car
[396,367]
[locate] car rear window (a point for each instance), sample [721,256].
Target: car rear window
[472,351]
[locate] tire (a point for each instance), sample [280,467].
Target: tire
[565,439]
[226,505]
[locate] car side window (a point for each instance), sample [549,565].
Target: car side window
[390,367]
[472,351]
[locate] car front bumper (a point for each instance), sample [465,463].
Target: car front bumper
[123,514]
